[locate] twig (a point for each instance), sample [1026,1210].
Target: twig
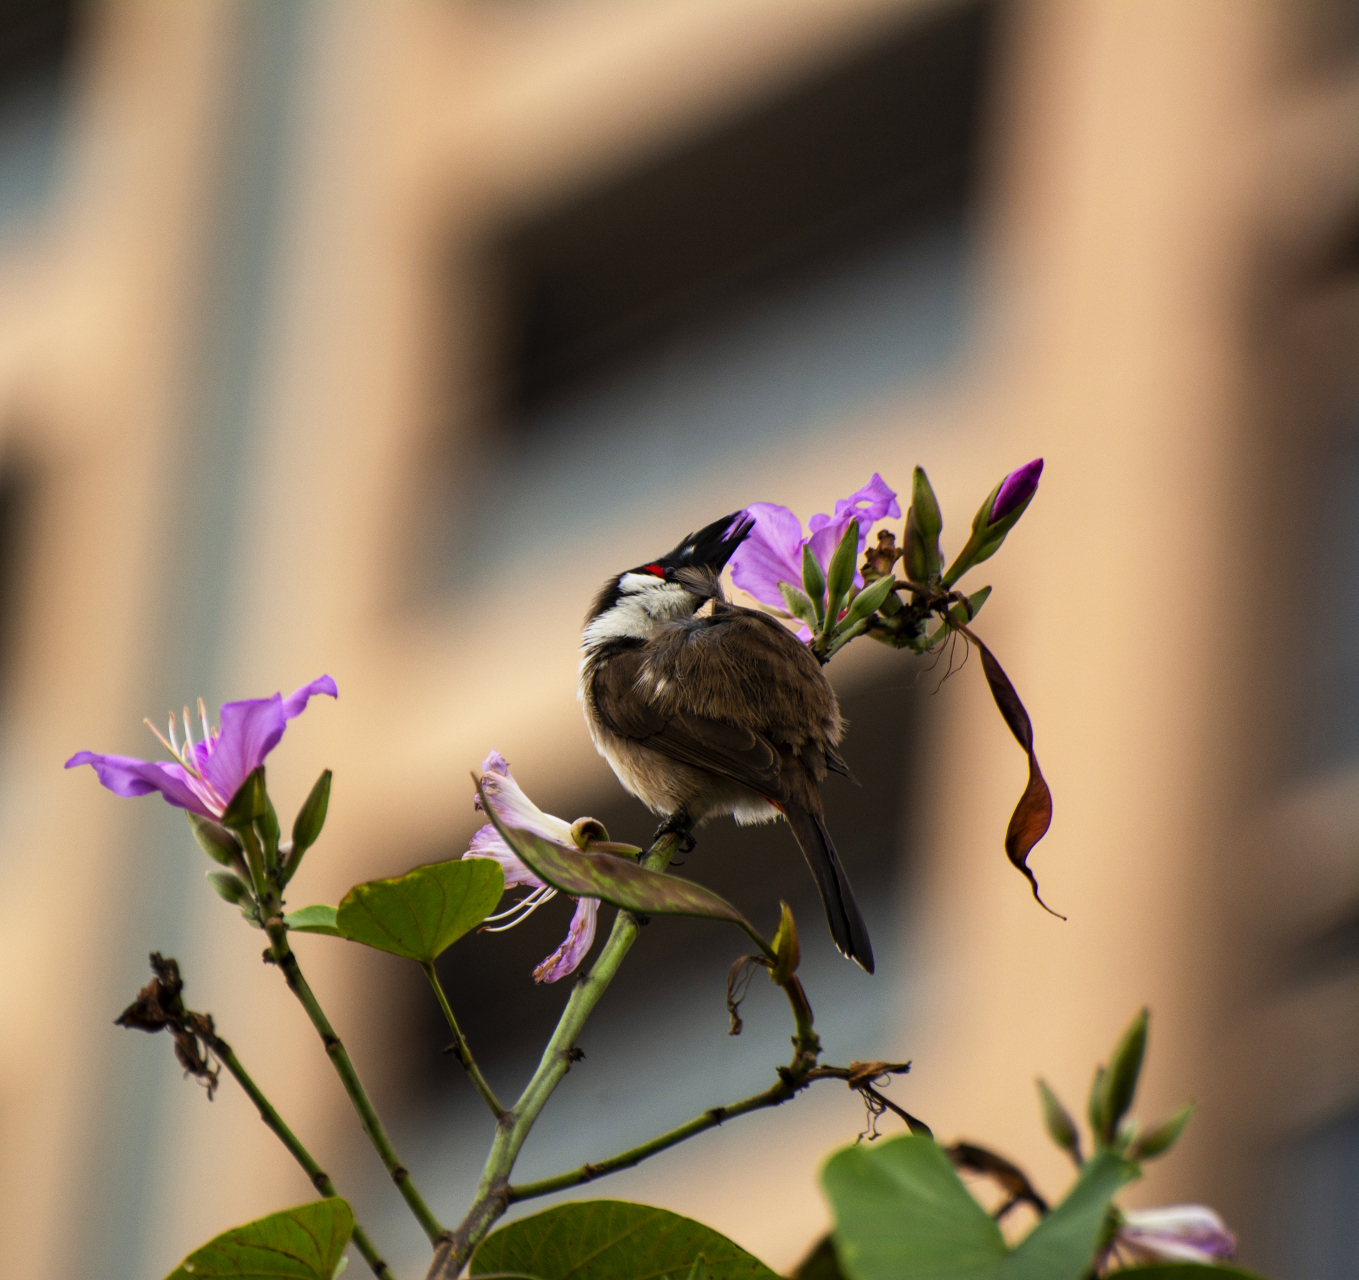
[460,1047]
[160,1007]
[281,954]
[492,1196]
[319,1178]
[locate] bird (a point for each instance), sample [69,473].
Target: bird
[721,712]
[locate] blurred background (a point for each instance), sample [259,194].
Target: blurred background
[371,339]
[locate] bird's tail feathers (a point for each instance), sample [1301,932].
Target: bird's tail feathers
[842,911]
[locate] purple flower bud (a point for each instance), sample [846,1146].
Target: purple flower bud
[1016,489]
[1176,1233]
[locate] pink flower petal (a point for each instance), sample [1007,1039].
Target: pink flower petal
[579,939]
[488,844]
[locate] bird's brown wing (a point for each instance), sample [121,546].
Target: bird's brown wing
[744,756]
[742,666]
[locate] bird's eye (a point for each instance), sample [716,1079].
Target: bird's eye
[654,569]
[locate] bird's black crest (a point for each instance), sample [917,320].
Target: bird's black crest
[710,548]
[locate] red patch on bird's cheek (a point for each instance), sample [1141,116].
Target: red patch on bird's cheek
[654,569]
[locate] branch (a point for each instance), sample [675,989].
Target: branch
[320,1180]
[792,1079]
[492,1197]
[460,1046]
[281,954]
[159,1007]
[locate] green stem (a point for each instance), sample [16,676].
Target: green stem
[282,955]
[493,1191]
[461,1047]
[791,1079]
[319,1178]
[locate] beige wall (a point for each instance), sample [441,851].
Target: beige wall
[1136,181]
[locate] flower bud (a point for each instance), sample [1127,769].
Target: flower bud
[1176,1233]
[1120,1082]
[1016,490]
[311,817]
[800,606]
[1060,1126]
[840,574]
[923,559]
[1158,1140]
[230,887]
[214,839]
[814,584]
[586,830]
[996,517]
[787,948]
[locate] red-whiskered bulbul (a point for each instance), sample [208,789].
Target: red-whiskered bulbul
[727,712]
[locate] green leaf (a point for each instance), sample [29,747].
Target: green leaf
[311,817]
[1189,1271]
[298,1244]
[902,1213]
[1062,1245]
[820,1263]
[317,919]
[617,880]
[613,1240]
[422,913]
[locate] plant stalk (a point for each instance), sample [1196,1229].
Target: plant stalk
[319,1178]
[282,955]
[493,1191]
[460,1046]
[792,1078]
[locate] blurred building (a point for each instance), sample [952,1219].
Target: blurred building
[370,339]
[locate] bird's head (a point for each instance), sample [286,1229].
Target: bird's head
[672,586]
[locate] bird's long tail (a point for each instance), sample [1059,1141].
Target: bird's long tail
[842,912]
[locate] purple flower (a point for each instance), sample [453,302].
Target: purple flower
[516,810]
[1016,489]
[1176,1233]
[772,553]
[205,775]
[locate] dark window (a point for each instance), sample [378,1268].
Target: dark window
[731,296]
[16,501]
[37,38]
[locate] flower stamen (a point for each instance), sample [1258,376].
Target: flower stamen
[524,908]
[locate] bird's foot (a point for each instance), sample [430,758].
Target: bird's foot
[677,823]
